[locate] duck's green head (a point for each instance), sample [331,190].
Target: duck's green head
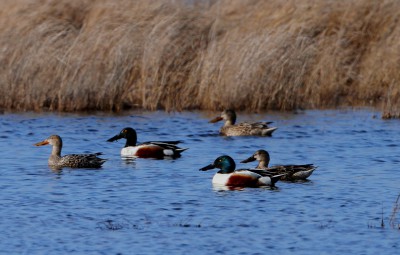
[225,163]
[129,134]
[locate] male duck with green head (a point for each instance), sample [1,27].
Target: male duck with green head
[151,149]
[228,176]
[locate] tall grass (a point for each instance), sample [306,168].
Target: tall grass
[255,55]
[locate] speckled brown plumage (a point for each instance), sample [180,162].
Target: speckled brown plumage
[242,129]
[71,160]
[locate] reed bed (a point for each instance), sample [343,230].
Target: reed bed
[254,55]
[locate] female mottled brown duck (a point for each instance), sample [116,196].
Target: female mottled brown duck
[71,160]
[244,128]
[290,172]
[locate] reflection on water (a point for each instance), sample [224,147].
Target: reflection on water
[218,187]
[130,201]
[129,159]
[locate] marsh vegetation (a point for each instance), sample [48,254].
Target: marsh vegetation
[77,55]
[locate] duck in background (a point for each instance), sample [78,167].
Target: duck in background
[242,129]
[289,172]
[228,176]
[153,149]
[71,160]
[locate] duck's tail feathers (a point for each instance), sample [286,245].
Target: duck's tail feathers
[269,131]
[181,149]
[276,178]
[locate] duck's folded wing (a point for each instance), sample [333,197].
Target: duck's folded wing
[169,147]
[261,124]
[290,168]
[161,143]
[82,160]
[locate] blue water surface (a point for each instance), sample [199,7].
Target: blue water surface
[146,206]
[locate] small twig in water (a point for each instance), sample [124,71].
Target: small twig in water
[396,208]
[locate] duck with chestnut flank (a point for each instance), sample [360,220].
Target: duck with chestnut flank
[71,160]
[153,149]
[228,176]
[242,129]
[290,172]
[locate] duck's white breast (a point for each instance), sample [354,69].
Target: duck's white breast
[220,179]
[129,151]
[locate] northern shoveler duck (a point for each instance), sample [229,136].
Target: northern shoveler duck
[152,149]
[289,172]
[71,160]
[244,128]
[228,176]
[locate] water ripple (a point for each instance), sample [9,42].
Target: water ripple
[131,201]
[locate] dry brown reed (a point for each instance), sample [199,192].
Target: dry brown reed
[255,55]
[393,221]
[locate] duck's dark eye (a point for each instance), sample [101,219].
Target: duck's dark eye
[124,131]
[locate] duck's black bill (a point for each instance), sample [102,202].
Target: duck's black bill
[209,167]
[114,138]
[250,159]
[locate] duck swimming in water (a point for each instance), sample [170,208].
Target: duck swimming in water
[71,160]
[289,172]
[228,176]
[244,128]
[154,149]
